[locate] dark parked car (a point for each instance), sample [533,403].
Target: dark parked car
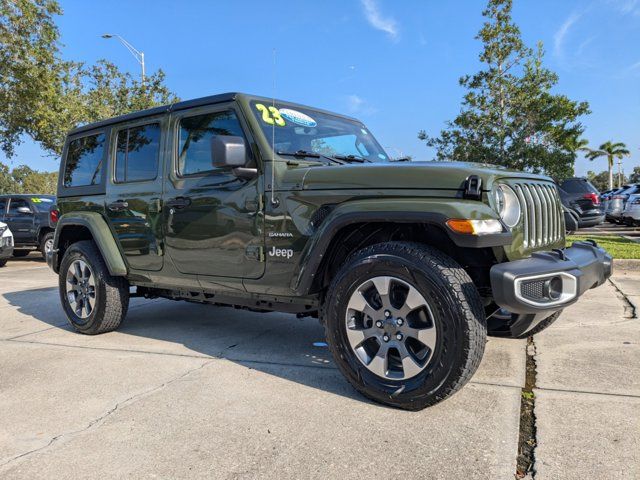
[581,197]
[32,219]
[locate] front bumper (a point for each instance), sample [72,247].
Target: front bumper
[536,287]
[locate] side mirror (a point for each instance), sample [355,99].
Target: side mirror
[24,210]
[228,151]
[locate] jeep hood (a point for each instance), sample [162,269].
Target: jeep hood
[401,175]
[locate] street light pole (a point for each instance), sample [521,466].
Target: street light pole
[139,56]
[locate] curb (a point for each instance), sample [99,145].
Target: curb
[626,264]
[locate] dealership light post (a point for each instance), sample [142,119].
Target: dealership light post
[139,56]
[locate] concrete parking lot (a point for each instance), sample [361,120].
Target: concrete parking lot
[192,391]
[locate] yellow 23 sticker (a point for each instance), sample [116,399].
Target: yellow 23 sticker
[270,115]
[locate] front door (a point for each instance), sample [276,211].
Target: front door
[213,218]
[134,191]
[20,218]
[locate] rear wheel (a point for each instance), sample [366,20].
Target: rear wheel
[94,301]
[46,243]
[3,262]
[405,324]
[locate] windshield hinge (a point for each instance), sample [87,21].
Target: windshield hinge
[473,188]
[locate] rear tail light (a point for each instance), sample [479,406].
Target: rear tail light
[54,215]
[593,197]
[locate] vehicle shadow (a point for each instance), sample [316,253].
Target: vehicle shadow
[277,344]
[33,258]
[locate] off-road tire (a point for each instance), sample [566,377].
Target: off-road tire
[541,326]
[458,316]
[21,253]
[43,242]
[111,293]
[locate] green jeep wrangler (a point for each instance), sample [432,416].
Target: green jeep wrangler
[266,205]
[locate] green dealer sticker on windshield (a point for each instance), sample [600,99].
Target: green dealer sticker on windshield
[298,117]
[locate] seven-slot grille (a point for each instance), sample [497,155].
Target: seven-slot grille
[542,217]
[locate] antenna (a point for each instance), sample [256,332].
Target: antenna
[274,201]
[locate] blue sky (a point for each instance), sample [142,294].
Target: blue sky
[393,64]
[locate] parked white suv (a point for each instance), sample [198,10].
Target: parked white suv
[6,244]
[631,213]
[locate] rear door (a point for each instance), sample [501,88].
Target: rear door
[20,222]
[213,218]
[134,191]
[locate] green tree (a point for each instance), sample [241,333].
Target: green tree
[635,176]
[601,180]
[509,115]
[611,151]
[7,183]
[23,179]
[28,64]
[88,94]
[43,96]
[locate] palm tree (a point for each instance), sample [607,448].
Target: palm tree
[610,150]
[576,144]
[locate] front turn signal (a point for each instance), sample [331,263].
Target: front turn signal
[474,227]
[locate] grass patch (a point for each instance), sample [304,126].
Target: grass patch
[618,247]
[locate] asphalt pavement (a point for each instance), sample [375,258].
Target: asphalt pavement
[193,391]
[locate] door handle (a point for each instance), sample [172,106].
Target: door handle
[118,206]
[178,202]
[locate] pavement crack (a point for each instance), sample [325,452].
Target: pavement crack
[99,421]
[630,310]
[527,442]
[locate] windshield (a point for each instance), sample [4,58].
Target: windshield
[304,130]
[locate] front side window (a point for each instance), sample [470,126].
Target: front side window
[17,203]
[137,153]
[84,161]
[3,205]
[291,129]
[196,133]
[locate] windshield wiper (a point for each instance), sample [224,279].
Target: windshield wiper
[351,158]
[305,153]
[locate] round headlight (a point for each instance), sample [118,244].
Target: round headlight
[508,205]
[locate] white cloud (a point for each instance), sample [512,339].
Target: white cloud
[626,7]
[358,105]
[377,20]
[561,34]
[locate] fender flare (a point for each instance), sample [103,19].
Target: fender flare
[102,235]
[432,211]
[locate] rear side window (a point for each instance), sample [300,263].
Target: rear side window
[137,153]
[84,161]
[42,204]
[196,133]
[578,185]
[3,205]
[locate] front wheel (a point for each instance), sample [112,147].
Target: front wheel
[94,301]
[405,324]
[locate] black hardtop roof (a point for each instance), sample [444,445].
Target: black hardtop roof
[19,195]
[196,102]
